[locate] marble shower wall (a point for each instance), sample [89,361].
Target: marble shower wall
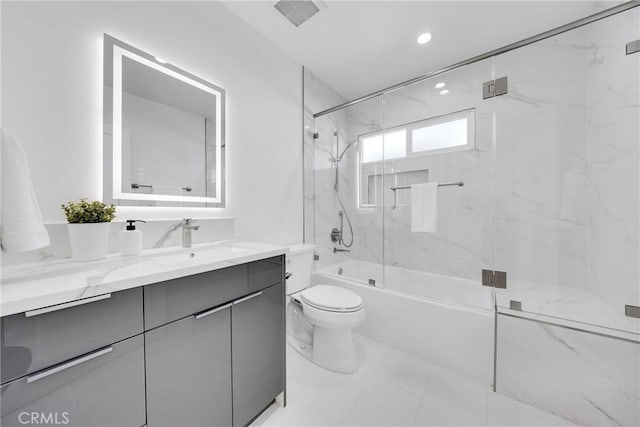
[541,162]
[580,209]
[463,243]
[320,212]
[613,98]
[336,132]
[586,378]
[317,97]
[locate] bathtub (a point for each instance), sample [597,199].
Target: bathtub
[446,320]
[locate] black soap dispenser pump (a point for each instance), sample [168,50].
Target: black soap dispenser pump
[131,239]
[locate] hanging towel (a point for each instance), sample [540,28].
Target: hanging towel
[21,221]
[424,207]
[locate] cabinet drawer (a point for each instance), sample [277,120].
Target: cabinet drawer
[265,273]
[32,341]
[174,299]
[106,389]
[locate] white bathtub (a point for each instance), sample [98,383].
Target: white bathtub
[446,320]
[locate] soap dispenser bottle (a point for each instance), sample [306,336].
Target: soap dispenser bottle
[131,239]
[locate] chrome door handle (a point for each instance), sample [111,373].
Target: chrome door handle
[247,298]
[62,306]
[287,275]
[199,316]
[64,366]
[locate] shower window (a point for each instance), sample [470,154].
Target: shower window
[392,144]
[453,132]
[406,144]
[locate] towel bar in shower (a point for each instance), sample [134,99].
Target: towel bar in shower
[395,193]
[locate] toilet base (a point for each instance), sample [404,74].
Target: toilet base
[334,349]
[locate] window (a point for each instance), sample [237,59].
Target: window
[394,142]
[438,135]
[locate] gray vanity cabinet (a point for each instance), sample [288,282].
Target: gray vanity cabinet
[102,388]
[257,322]
[188,367]
[41,338]
[202,350]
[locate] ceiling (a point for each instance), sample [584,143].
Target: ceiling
[358,47]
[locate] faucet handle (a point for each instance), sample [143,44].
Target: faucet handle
[186,223]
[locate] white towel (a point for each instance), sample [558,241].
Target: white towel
[21,221]
[424,207]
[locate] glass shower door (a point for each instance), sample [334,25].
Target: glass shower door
[446,137]
[438,217]
[567,223]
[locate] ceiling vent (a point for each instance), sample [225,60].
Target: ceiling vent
[297,11]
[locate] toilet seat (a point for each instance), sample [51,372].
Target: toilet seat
[331,298]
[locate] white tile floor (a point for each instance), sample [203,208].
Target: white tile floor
[393,388]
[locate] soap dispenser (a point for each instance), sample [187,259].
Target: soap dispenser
[131,239]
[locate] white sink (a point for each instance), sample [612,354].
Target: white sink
[200,254]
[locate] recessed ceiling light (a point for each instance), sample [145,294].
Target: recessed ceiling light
[440,85]
[424,38]
[444,91]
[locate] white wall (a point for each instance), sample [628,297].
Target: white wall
[52,102]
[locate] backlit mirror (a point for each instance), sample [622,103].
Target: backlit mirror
[163,132]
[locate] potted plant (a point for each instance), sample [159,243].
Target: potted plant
[89,228]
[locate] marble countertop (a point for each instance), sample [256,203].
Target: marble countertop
[30,286]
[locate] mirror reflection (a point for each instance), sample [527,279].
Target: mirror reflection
[164,132]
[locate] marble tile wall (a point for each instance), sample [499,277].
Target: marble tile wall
[320,211]
[542,199]
[613,114]
[463,243]
[541,162]
[585,378]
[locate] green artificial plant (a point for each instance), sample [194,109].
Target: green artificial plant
[85,212]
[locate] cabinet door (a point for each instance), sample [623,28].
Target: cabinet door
[188,365]
[258,352]
[104,388]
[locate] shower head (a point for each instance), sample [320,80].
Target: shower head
[339,158]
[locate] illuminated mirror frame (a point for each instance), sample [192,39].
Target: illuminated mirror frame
[114,51]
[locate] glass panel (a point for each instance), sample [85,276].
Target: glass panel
[444,264]
[567,176]
[348,233]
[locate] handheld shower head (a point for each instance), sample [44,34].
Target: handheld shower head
[345,149]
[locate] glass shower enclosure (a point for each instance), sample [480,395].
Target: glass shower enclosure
[535,222]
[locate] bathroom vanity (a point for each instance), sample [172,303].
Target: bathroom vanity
[182,338]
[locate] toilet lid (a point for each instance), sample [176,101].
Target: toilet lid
[331,298]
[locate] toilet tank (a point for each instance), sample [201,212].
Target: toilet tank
[299,267]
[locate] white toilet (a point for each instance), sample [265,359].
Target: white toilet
[320,317]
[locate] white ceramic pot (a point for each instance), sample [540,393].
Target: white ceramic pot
[89,242]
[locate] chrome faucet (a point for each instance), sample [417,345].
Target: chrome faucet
[186,232]
[335,250]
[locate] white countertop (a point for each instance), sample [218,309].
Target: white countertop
[30,286]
